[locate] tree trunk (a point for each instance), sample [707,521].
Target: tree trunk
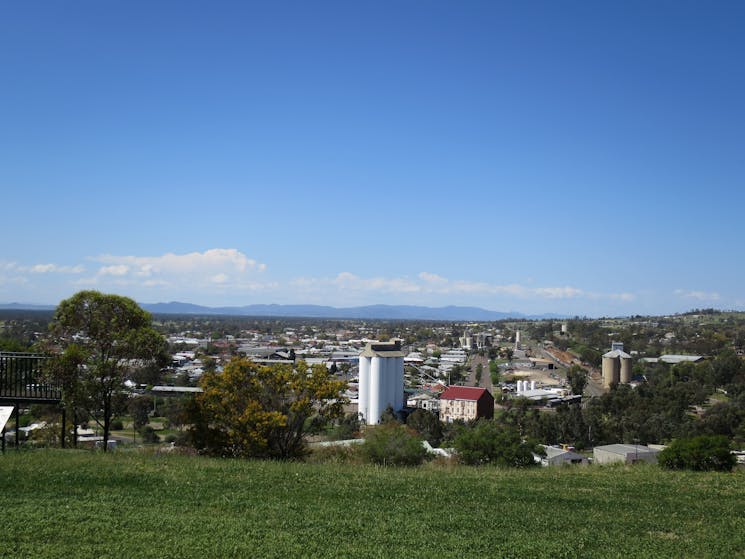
[106,422]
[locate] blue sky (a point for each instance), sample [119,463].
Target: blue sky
[573,157]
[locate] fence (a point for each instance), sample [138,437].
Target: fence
[22,379]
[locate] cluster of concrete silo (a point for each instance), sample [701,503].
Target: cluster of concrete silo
[616,366]
[381,380]
[524,386]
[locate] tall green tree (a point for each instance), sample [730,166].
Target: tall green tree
[140,408]
[577,378]
[97,340]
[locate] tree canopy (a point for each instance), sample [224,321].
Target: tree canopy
[96,340]
[703,453]
[252,410]
[577,378]
[488,442]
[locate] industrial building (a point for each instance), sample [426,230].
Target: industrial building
[616,366]
[481,340]
[624,453]
[381,381]
[673,359]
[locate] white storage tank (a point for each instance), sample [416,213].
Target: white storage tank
[381,380]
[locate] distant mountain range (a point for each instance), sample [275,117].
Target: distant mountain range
[390,312]
[25,307]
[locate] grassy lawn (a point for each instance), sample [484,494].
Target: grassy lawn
[130,504]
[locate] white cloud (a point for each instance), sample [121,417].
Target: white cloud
[226,276]
[47,268]
[432,278]
[20,281]
[212,259]
[116,270]
[43,268]
[565,292]
[697,295]
[216,258]
[428,283]
[195,275]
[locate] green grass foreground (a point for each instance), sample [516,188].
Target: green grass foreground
[132,505]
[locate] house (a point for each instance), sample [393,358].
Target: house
[424,401]
[557,456]
[466,403]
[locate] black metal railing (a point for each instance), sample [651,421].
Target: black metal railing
[22,378]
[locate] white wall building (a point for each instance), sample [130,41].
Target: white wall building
[381,382]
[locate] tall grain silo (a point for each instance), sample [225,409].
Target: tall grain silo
[611,369]
[381,382]
[616,366]
[625,368]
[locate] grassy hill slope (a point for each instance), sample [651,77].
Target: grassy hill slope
[78,504]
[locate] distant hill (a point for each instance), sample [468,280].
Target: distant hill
[391,312]
[25,307]
[383,312]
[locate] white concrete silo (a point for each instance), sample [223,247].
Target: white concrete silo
[399,387]
[376,391]
[363,397]
[384,384]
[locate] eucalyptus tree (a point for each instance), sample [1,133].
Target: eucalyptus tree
[97,340]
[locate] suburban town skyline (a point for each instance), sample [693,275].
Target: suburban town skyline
[577,159]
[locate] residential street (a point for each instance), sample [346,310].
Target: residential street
[474,361]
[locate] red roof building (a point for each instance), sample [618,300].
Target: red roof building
[466,403]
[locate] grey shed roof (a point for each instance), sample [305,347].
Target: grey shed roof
[617,353]
[680,358]
[177,389]
[624,449]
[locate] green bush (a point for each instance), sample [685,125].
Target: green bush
[117,425]
[487,442]
[704,453]
[348,428]
[393,444]
[335,455]
[427,424]
[149,435]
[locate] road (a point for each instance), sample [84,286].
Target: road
[475,360]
